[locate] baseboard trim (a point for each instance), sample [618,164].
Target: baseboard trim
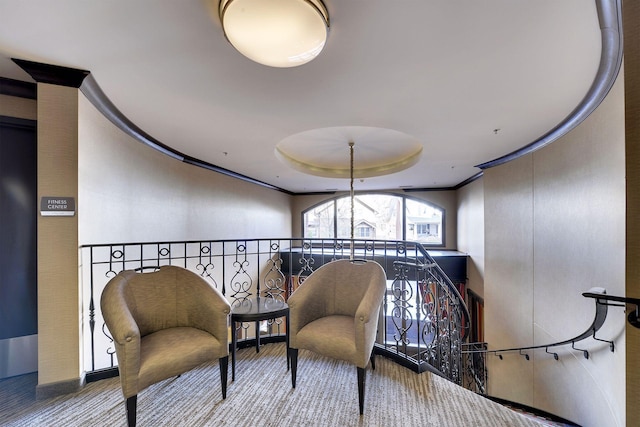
[46,391]
[532,410]
[18,355]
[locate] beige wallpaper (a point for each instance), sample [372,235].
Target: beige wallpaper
[132,193]
[470,219]
[554,228]
[508,285]
[22,108]
[632,112]
[125,192]
[58,295]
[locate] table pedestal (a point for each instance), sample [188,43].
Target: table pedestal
[256,309]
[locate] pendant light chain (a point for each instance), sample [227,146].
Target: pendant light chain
[351,144]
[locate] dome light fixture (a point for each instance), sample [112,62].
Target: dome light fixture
[277,33]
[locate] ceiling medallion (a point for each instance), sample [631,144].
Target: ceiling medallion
[320,152]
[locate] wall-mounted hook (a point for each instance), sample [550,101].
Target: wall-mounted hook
[526,356]
[555,355]
[584,352]
[611,345]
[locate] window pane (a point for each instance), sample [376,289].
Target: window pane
[380,215]
[424,223]
[318,221]
[343,208]
[376,216]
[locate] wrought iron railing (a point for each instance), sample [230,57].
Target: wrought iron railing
[423,322]
[474,362]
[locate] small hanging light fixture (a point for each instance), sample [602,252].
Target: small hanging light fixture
[277,33]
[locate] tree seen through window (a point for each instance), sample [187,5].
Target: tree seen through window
[376,216]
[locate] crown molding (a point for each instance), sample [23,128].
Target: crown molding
[610,18]
[52,74]
[18,88]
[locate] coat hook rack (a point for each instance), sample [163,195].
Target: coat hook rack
[602,306]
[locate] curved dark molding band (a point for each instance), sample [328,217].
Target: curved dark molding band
[453,188]
[610,17]
[71,77]
[18,123]
[52,74]
[18,88]
[97,97]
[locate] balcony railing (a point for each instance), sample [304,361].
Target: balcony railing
[423,323]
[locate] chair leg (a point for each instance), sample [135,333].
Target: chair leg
[132,406]
[373,361]
[224,373]
[293,355]
[361,381]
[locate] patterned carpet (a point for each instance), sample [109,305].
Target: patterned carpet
[325,395]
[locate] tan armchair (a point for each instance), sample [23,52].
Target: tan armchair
[335,313]
[163,324]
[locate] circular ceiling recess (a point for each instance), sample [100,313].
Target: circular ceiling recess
[325,152]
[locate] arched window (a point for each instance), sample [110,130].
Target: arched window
[376,216]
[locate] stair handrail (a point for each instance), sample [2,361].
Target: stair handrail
[633,317]
[600,296]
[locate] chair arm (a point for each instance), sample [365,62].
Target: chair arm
[366,320]
[306,304]
[125,334]
[370,303]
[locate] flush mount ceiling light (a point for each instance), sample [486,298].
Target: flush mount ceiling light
[277,33]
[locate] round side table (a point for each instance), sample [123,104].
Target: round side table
[255,309]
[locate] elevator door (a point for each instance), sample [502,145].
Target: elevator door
[18,251]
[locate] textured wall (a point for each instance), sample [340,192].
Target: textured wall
[554,228]
[125,192]
[22,108]
[631,17]
[58,296]
[132,193]
[470,218]
[508,284]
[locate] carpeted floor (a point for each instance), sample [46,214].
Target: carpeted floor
[325,395]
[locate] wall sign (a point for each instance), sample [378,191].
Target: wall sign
[57,206]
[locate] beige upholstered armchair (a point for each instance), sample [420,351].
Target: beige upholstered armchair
[335,313]
[163,324]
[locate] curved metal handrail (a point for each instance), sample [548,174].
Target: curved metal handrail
[599,294]
[633,317]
